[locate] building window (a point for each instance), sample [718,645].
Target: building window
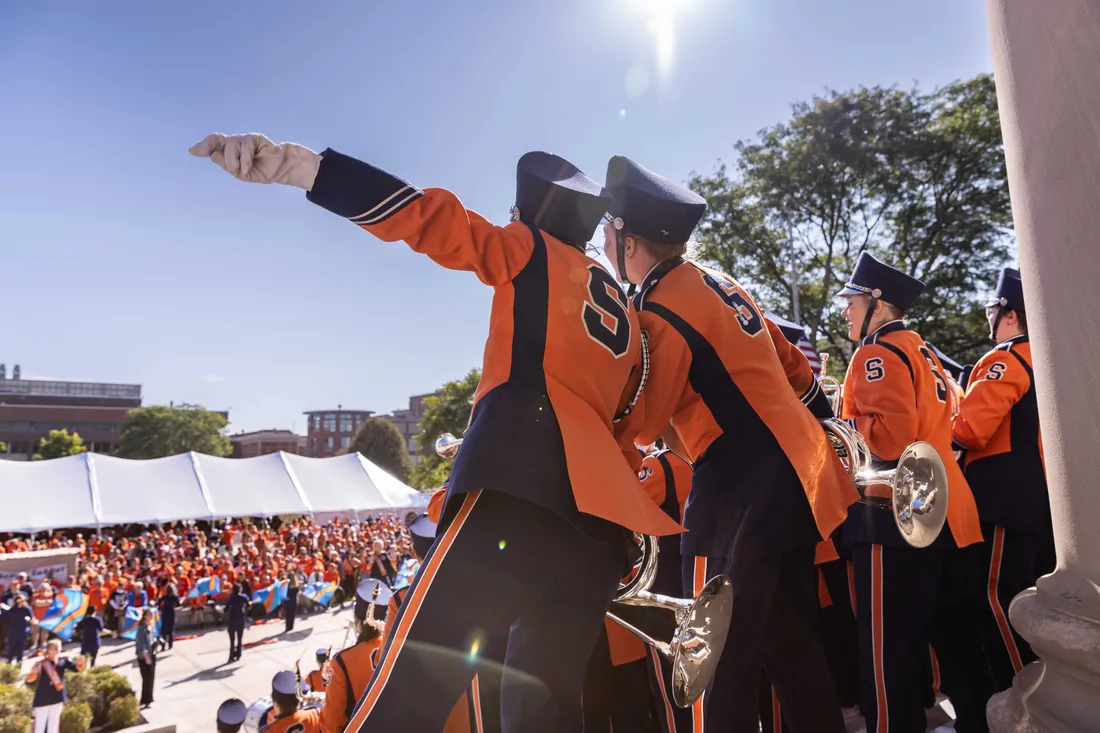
[316,422]
[329,443]
[345,442]
[345,423]
[330,423]
[316,446]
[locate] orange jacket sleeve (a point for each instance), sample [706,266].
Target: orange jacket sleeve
[996,385]
[436,504]
[432,221]
[653,479]
[333,718]
[880,401]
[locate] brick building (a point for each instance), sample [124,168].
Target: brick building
[329,431]
[408,422]
[31,408]
[262,442]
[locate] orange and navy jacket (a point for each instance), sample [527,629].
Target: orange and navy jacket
[896,392]
[564,348]
[316,681]
[300,721]
[766,478]
[666,477]
[351,671]
[998,427]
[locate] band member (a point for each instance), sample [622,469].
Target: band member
[998,427]
[287,717]
[316,678]
[231,715]
[236,612]
[352,667]
[896,393]
[666,477]
[767,486]
[541,473]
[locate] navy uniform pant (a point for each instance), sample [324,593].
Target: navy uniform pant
[617,698]
[907,598]
[774,627]
[1010,562]
[672,719]
[501,569]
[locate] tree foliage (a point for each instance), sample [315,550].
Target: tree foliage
[447,411]
[917,179]
[382,444]
[59,444]
[158,431]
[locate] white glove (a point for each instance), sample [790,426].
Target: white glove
[254,158]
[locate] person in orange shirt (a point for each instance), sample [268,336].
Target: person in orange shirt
[565,486]
[998,428]
[767,486]
[896,393]
[40,603]
[316,678]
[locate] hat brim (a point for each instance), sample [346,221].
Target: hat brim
[850,291]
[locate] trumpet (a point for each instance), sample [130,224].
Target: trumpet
[699,626]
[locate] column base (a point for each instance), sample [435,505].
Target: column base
[1060,693]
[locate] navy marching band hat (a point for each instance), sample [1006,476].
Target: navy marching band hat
[231,714]
[791,330]
[1010,290]
[952,367]
[422,530]
[650,205]
[882,282]
[322,653]
[284,683]
[554,195]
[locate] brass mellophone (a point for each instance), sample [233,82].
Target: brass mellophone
[917,488]
[699,625]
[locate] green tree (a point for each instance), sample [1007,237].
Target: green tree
[158,431]
[382,444]
[59,444]
[447,411]
[917,179]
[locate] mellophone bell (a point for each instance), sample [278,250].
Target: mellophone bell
[695,628]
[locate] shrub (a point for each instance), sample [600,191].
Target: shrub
[15,724]
[111,684]
[82,688]
[15,702]
[124,712]
[9,673]
[76,718]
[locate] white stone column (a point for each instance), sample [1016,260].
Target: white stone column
[1047,66]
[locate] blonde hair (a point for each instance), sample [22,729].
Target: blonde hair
[54,644]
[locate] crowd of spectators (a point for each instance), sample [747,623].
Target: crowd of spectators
[139,567]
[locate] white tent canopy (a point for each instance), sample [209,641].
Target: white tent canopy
[91,490]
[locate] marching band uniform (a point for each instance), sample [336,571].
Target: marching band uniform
[284,692]
[231,715]
[767,485]
[541,472]
[998,427]
[896,393]
[617,694]
[316,679]
[352,667]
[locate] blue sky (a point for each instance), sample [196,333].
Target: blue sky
[122,258]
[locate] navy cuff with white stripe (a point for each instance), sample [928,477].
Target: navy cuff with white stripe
[358,191]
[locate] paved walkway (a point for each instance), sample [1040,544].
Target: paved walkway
[193,678]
